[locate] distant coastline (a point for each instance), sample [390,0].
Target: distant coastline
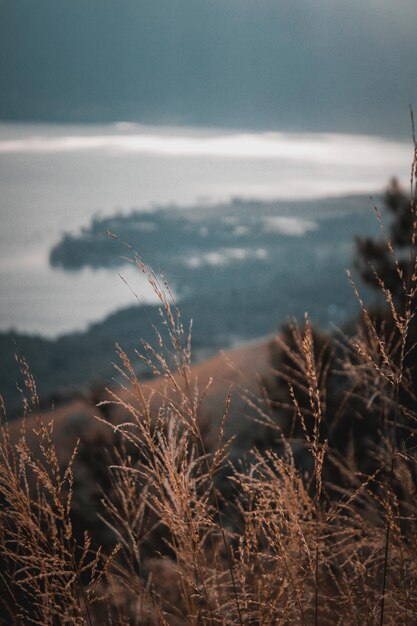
[238,269]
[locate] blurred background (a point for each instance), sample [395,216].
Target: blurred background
[234,144]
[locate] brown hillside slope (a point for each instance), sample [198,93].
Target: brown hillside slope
[240,370]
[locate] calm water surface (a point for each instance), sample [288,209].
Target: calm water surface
[55,178]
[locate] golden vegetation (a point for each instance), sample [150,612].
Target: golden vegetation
[294,532]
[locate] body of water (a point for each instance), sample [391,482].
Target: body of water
[55,178]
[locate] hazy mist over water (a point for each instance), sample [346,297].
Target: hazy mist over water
[345,70]
[300,65]
[55,178]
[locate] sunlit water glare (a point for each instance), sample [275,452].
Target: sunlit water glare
[55,178]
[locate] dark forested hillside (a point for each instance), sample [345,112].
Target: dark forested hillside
[238,271]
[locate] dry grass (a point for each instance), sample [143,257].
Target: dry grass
[296,533]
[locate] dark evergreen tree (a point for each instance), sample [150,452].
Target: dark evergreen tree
[358,398]
[382,259]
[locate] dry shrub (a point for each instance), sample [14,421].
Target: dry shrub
[47,577]
[319,527]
